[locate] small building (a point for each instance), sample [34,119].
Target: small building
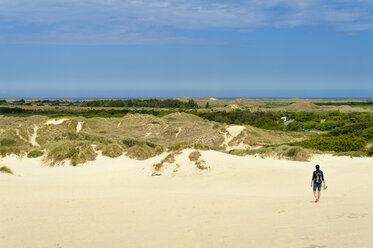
[78,104]
[322,121]
[11,103]
[47,104]
[34,104]
[286,120]
[64,104]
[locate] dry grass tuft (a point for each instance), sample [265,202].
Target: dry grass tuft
[112,151]
[281,152]
[5,169]
[143,151]
[77,152]
[201,164]
[35,154]
[194,156]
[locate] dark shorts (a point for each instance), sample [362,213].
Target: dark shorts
[317,186]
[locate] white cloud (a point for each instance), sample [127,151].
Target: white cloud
[155,21]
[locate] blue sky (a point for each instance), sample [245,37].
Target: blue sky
[151,48]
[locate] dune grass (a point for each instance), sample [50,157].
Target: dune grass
[6,170]
[201,164]
[194,156]
[112,151]
[35,154]
[76,152]
[281,152]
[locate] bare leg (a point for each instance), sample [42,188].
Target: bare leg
[318,196]
[314,194]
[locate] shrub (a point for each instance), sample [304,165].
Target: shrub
[296,154]
[5,169]
[370,151]
[112,150]
[16,150]
[7,142]
[144,151]
[35,154]
[131,142]
[77,152]
[194,156]
[343,143]
[281,152]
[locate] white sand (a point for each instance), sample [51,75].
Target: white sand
[79,126]
[34,136]
[239,202]
[56,121]
[233,131]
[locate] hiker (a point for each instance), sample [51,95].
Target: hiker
[317,180]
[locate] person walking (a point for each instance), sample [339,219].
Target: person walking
[317,181]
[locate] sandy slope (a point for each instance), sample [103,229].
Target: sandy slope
[239,202]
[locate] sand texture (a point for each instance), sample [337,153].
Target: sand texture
[237,202]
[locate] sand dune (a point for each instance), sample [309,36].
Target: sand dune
[238,202]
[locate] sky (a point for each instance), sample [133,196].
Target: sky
[197,48]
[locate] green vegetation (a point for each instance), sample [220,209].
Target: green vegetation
[35,154]
[144,151]
[75,151]
[276,104]
[281,152]
[7,142]
[353,104]
[142,133]
[153,103]
[112,151]
[5,169]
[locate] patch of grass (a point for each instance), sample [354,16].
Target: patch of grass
[112,151]
[170,158]
[131,142]
[144,151]
[15,150]
[8,142]
[35,154]
[5,169]
[194,156]
[158,166]
[77,152]
[280,152]
[201,164]
[276,104]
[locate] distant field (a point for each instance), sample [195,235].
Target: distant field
[276,104]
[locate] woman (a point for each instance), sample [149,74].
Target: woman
[317,181]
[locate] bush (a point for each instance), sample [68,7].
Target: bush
[76,152]
[16,150]
[7,142]
[143,151]
[35,154]
[112,151]
[194,156]
[5,169]
[131,142]
[281,152]
[343,143]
